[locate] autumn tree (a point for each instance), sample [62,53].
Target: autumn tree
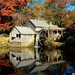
[54,11]
[8,10]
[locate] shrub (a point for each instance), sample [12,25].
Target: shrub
[70,41]
[51,45]
[6,35]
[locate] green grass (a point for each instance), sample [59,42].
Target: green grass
[32,43]
[4,43]
[59,43]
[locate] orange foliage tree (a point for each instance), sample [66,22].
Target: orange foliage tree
[7,9]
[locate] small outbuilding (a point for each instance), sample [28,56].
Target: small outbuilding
[21,34]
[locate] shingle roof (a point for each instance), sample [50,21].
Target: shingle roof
[39,23]
[25,30]
[54,26]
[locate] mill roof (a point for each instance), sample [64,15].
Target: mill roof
[25,30]
[39,23]
[55,27]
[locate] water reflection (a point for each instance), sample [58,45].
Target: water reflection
[47,56]
[40,54]
[38,61]
[33,58]
[37,53]
[21,53]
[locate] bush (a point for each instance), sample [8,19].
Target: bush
[70,41]
[51,45]
[6,35]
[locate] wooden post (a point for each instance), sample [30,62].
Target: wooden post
[52,38]
[48,34]
[57,31]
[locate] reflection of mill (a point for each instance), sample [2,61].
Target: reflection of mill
[24,59]
[50,56]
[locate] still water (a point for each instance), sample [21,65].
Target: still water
[37,61]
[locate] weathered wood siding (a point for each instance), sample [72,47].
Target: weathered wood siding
[28,24]
[13,35]
[23,38]
[38,28]
[26,38]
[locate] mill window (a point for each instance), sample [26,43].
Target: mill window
[18,35]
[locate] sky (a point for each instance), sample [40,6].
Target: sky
[70,7]
[40,2]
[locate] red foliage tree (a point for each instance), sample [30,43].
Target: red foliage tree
[7,9]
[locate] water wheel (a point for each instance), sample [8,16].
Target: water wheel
[43,34]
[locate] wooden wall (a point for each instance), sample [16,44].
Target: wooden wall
[26,38]
[13,35]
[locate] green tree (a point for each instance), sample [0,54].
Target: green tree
[54,11]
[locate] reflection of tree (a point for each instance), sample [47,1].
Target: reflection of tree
[69,48]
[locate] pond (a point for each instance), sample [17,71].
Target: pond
[37,61]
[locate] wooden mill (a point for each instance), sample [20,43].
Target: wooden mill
[35,30]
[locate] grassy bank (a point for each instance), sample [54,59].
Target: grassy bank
[4,39]
[58,44]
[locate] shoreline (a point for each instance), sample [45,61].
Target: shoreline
[16,47]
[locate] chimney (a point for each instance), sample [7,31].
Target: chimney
[50,23]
